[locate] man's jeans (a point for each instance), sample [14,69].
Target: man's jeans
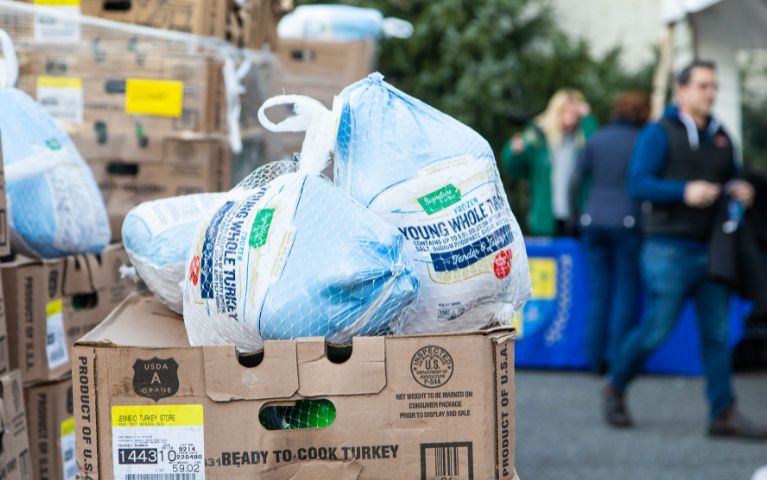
[672,273]
[613,258]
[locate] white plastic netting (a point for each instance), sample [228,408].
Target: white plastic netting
[286,254]
[436,180]
[55,208]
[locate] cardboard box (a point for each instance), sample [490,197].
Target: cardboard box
[14,443]
[322,69]
[52,303]
[5,362]
[184,167]
[51,430]
[93,91]
[428,406]
[248,25]
[5,244]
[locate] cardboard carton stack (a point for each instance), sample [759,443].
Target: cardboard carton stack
[150,120]
[45,305]
[245,24]
[48,305]
[15,459]
[148,111]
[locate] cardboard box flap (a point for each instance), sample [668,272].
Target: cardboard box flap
[105,267]
[140,320]
[362,374]
[77,278]
[275,376]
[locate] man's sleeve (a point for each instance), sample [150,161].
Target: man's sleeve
[647,163]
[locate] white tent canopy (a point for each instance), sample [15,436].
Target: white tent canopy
[675,10]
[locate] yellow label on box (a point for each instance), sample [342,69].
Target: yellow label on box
[58,3]
[157,416]
[52,308]
[59,82]
[163,98]
[67,427]
[543,274]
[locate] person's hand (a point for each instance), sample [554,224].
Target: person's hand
[700,193]
[744,192]
[517,143]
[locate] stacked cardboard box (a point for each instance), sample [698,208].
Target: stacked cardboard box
[15,461]
[423,406]
[48,304]
[51,303]
[148,116]
[245,24]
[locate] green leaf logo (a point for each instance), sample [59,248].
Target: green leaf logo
[53,144]
[440,199]
[261,228]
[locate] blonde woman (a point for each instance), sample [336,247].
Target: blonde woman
[546,153]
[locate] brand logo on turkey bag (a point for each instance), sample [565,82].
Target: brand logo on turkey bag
[440,199]
[155,378]
[260,229]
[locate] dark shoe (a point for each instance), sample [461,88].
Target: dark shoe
[615,410]
[730,423]
[601,369]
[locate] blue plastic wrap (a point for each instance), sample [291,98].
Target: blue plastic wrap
[340,23]
[157,236]
[294,258]
[436,180]
[55,207]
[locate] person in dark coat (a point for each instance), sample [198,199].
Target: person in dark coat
[679,168]
[609,227]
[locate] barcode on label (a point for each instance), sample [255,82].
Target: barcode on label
[451,461]
[446,461]
[160,476]
[25,465]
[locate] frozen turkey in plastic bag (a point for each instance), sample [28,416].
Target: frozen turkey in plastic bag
[294,257]
[54,204]
[436,180]
[157,236]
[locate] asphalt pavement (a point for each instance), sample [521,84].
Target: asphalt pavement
[560,434]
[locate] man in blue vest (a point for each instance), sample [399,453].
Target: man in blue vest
[679,168]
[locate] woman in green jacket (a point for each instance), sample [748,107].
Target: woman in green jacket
[546,153]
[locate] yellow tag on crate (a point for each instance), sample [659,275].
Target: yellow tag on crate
[52,308]
[58,3]
[59,82]
[67,427]
[162,98]
[157,416]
